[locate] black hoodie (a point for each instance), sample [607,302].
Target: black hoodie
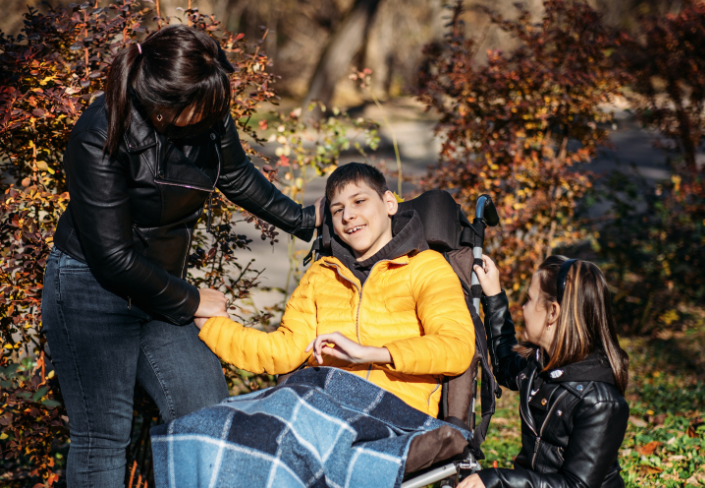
[408,238]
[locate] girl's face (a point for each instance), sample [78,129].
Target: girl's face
[539,321]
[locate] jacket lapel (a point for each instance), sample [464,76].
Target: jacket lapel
[140,135]
[173,166]
[526,381]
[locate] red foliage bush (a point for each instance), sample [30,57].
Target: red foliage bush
[48,76]
[517,126]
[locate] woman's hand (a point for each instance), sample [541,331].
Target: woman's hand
[488,275]
[472,481]
[340,347]
[320,209]
[213,304]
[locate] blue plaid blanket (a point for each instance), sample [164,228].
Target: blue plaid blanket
[323,427]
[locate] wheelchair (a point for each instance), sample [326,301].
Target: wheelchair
[448,231]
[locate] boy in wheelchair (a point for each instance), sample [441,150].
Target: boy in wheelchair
[382,308]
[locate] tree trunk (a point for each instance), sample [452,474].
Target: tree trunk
[342,47]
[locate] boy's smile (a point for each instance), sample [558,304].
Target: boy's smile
[362,219]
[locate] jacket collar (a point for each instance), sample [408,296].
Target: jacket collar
[140,134]
[595,367]
[344,271]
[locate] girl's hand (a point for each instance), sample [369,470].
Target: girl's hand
[488,275]
[340,347]
[472,481]
[320,209]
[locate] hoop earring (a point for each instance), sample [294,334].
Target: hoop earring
[159,117]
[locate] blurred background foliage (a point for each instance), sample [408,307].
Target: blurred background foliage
[523,99]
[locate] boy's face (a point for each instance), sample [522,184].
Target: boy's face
[362,219]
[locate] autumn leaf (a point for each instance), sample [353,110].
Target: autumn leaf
[649,449]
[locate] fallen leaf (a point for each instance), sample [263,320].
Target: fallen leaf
[651,470]
[658,419]
[691,432]
[637,422]
[649,448]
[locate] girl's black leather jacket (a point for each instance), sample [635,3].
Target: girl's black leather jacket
[131,216]
[573,418]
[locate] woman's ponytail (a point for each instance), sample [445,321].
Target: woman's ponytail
[117,100]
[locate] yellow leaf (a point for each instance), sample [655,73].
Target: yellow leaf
[399,199]
[3,436]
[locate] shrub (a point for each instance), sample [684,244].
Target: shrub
[517,126]
[655,246]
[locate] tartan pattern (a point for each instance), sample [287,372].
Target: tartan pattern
[323,427]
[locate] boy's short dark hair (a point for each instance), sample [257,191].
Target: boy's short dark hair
[355,173]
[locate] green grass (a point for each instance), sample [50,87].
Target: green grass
[665,441]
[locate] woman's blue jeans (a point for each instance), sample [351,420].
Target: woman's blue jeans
[100,346]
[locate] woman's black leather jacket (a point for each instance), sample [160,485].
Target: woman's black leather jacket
[131,216]
[573,418]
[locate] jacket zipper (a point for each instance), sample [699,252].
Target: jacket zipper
[359,304]
[195,187]
[438,384]
[543,426]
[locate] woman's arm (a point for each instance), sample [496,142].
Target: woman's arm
[501,335]
[592,450]
[246,186]
[100,210]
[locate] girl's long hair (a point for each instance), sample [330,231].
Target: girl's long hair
[179,66]
[585,323]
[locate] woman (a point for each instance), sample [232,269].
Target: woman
[571,376]
[141,163]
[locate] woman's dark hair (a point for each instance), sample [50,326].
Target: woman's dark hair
[585,323]
[355,173]
[172,69]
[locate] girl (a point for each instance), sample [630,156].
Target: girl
[140,164]
[571,375]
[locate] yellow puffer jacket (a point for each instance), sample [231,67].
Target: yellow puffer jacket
[413,306]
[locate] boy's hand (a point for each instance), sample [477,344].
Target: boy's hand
[339,346]
[488,275]
[200,321]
